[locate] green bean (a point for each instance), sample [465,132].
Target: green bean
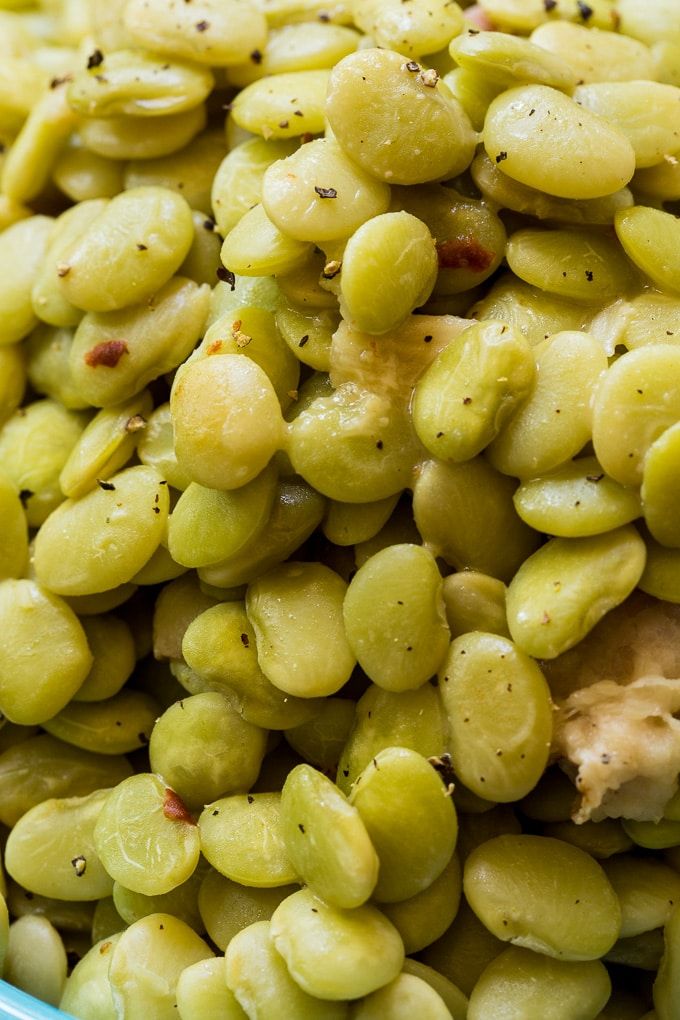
[208,525]
[125,516]
[284,105]
[181,902]
[463,951]
[394,617]
[227,907]
[41,768]
[22,248]
[423,918]
[204,749]
[14,531]
[35,444]
[289,608]
[51,849]
[231,29]
[36,958]
[141,237]
[668,978]
[471,390]
[475,601]
[529,986]
[551,606]
[560,148]
[366,87]
[318,194]
[202,993]
[145,836]
[488,535]
[38,684]
[220,645]
[262,984]
[138,84]
[507,879]
[305,47]
[412,719]
[158,336]
[326,839]
[231,446]
[500,734]
[114,726]
[647,890]
[455,1001]
[87,989]
[242,837]
[406,996]
[146,962]
[389,268]
[410,819]
[576,500]
[332,953]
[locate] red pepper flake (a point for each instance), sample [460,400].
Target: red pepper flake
[501,156]
[464,253]
[326,192]
[589,275]
[95,59]
[201,26]
[245,640]
[467,400]
[175,809]
[226,276]
[215,347]
[108,353]
[303,340]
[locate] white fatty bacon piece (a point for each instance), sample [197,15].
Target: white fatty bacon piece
[616,697]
